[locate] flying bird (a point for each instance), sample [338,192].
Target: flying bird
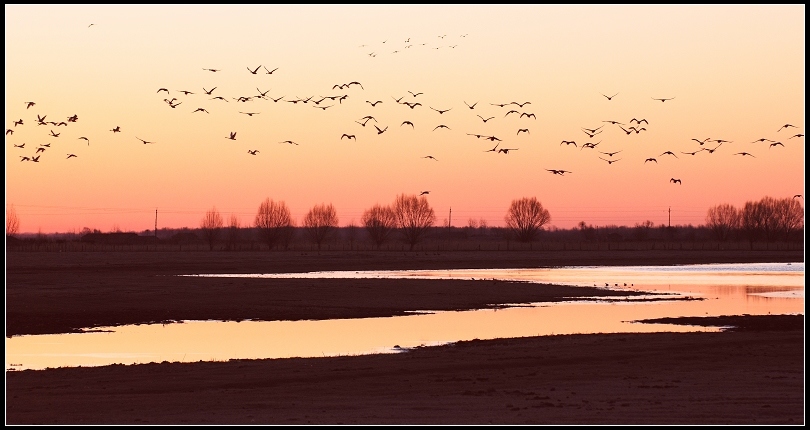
[20,146]
[441,126]
[232,136]
[23,158]
[506,150]
[88,140]
[675,181]
[511,111]
[691,153]
[791,137]
[744,154]
[185,93]
[383,130]
[212,70]
[625,130]
[763,140]
[559,172]
[521,104]
[398,100]
[591,135]
[483,119]
[163,89]
[797,196]
[253,151]
[250,113]
[495,149]
[614,122]
[589,145]
[290,142]
[200,110]
[40,149]
[431,157]
[568,142]
[711,151]
[269,72]
[29,104]
[407,122]
[11,131]
[650,159]
[70,156]
[144,141]
[471,106]
[776,143]
[591,130]
[610,161]
[662,100]
[499,104]
[374,103]
[669,153]
[220,98]
[414,94]
[424,192]
[209,92]
[35,159]
[527,115]
[348,136]
[610,97]
[412,105]
[254,71]
[20,122]
[526,130]
[639,121]
[117,129]
[786,126]
[440,110]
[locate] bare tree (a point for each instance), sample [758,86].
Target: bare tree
[752,221]
[790,216]
[320,221]
[414,217]
[12,221]
[770,226]
[526,217]
[380,221]
[233,232]
[211,227]
[723,219]
[273,221]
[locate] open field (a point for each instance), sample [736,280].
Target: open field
[754,375]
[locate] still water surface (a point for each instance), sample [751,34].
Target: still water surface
[726,289]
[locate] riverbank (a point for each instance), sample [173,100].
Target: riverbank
[754,375]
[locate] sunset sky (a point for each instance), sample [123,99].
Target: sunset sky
[733,73]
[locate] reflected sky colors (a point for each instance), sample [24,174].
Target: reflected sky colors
[735,76]
[726,290]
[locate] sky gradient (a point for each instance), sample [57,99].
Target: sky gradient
[734,73]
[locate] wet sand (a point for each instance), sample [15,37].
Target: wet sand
[752,375]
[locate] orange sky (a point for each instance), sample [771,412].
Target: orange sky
[735,73]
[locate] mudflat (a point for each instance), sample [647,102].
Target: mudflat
[753,374]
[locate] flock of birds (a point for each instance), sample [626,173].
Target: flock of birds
[207,98]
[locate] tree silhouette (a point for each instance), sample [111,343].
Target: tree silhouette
[752,221]
[233,232]
[790,216]
[211,227]
[274,222]
[320,221]
[12,222]
[414,217]
[525,218]
[723,219]
[380,221]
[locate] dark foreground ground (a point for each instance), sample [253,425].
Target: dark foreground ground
[751,375]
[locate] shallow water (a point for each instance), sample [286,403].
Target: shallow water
[727,289]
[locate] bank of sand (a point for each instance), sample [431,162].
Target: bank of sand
[753,375]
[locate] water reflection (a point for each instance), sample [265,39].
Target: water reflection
[725,290]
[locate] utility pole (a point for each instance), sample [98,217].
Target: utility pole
[155,223]
[449,222]
[669,211]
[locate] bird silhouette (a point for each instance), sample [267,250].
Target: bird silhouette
[525,130]
[521,104]
[412,105]
[289,141]
[440,110]
[398,100]
[383,130]
[701,142]
[212,70]
[639,121]
[276,100]
[591,135]
[791,137]
[70,156]
[610,161]
[763,140]
[511,111]
[263,94]
[637,130]
[744,154]
[431,157]
[625,130]
[11,131]
[407,122]
[232,135]
[506,150]
[117,129]
[163,89]
[559,172]
[568,142]
[250,113]
[414,94]
[721,141]
[650,159]
[492,138]
[786,126]
[35,159]
[485,119]
[711,151]
[495,149]
[40,149]
[610,97]
[20,122]
[209,92]
[615,122]
[441,126]
[797,196]
[374,103]
[591,130]
[253,151]
[220,98]
[662,100]
[23,158]
[348,136]
[322,107]
[200,110]
[84,138]
[589,145]
[669,153]
[52,133]
[471,106]
[255,70]
[675,181]
[20,146]
[29,104]
[527,115]
[144,141]
[185,93]
[269,72]
[500,104]
[691,153]
[776,143]
[424,192]
[358,83]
